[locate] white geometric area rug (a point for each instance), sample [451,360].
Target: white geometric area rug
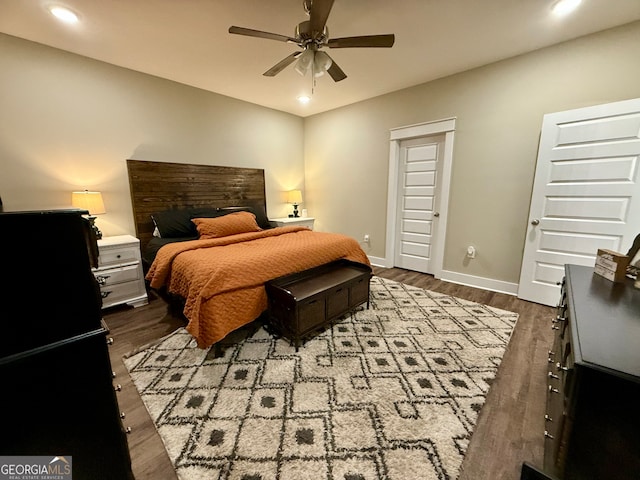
[390,392]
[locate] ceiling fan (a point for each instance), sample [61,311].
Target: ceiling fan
[311,36]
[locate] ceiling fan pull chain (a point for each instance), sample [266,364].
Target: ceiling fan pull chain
[313,74]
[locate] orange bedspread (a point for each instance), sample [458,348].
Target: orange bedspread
[223,279]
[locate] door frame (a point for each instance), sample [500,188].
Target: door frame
[447,127]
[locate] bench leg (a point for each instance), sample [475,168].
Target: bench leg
[216,351]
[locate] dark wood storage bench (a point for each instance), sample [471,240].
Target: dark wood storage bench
[301,303]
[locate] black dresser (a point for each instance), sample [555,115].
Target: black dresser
[592,422]
[58,396]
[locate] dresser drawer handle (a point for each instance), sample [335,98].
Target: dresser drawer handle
[561,367]
[548,418]
[555,327]
[105,294]
[553,390]
[118,388]
[102,279]
[552,375]
[548,435]
[551,353]
[110,342]
[127,430]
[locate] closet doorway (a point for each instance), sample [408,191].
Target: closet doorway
[420,160]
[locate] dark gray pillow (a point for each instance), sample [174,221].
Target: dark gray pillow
[177,223]
[174,223]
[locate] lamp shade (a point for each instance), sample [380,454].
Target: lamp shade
[294,197]
[321,63]
[305,61]
[90,201]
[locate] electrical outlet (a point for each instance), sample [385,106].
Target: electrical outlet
[471,251]
[366,238]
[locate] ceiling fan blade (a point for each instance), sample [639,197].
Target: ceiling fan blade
[363,41]
[335,71]
[260,34]
[281,65]
[318,15]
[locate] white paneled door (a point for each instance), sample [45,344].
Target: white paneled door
[586,193]
[418,177]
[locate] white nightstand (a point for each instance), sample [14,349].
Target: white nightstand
[119,271]
[297,221]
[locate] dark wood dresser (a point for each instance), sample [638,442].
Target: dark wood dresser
[58,396]
[592,423]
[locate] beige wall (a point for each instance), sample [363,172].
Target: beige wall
[69,123]
[499,110]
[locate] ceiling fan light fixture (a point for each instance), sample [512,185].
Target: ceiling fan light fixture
[305,61]
[321,63]
[304,99]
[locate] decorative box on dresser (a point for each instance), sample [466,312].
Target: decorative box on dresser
[592,423]
[297,221]
[119,271]
[58,397]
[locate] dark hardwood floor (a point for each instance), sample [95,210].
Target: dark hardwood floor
[510,425]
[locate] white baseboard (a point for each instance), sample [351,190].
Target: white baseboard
[480,282]
[377,261]
[463,279]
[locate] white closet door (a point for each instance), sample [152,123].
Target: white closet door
[421,164]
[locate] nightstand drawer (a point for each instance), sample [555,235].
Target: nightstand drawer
[120,292]
[117,256]
[117,275]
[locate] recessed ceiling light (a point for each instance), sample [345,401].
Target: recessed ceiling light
[304,99]
[64,14]
[564,7]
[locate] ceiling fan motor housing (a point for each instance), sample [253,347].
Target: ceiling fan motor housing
[304,35]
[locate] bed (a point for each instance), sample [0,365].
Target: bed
[206,239]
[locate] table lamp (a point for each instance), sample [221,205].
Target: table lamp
[294,197]
[93,203]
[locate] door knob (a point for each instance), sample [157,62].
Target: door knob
[436,214]
[535,221]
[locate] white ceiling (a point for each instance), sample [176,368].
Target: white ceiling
[188,41]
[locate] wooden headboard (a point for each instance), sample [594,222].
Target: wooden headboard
[159,186]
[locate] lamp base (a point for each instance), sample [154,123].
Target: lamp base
[295,211]
[94,227]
